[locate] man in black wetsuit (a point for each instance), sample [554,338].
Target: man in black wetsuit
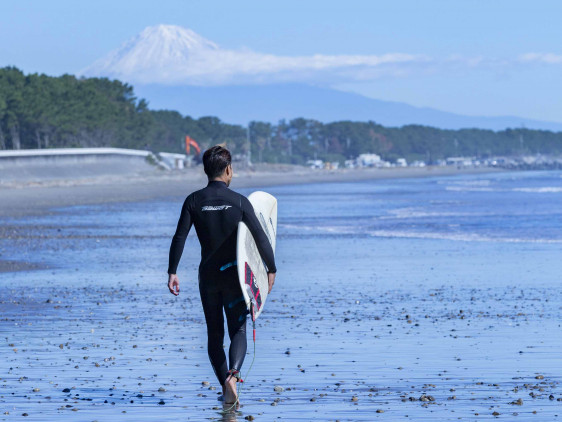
[216,211]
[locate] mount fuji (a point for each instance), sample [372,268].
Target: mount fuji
[175,68]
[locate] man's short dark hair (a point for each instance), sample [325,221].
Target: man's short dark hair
[215,160]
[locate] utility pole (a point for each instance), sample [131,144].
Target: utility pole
[249,146]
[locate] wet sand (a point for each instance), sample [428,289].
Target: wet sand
[133,352]
[357,328]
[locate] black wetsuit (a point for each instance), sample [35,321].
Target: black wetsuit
[216,211]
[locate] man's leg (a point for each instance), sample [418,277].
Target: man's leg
[236,311]
[212,307]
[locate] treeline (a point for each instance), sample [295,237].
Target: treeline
[39,111]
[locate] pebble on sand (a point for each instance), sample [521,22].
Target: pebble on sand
[426,397]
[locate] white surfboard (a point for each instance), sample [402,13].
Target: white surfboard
[251,268]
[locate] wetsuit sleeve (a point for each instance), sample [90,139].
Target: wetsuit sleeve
[262,242]
[178,241]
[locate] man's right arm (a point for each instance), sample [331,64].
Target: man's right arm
[178,241]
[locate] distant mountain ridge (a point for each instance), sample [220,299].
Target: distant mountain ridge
[175,68]
[271,103]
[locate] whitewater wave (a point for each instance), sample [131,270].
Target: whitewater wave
[404,213]
[463,237]
[545,189]
[472,189]
[465,182]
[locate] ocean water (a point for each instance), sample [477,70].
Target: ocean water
[387,291]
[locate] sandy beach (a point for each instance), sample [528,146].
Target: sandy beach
[36,196]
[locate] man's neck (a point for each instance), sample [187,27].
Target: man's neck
[219,180]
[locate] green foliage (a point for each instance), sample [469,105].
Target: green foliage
[39,111]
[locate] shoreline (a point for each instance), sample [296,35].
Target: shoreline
[35,198]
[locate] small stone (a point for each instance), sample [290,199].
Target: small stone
[249,418]
[354,398]
[161,390]
[496,414]
[24,414]
[518,402]
[539,377]
[380,411]
[36,390]
[278,389]
[161,402]
[66,390]
[205,383]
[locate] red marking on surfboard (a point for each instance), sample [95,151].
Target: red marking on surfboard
[250,281]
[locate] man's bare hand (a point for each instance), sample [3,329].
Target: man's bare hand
[271,281]
[174,284]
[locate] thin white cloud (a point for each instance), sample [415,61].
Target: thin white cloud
[545,58]
[167,54]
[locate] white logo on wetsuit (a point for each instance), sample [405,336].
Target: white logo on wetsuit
[215,207]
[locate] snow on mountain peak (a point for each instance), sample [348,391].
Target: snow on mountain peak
[157,54]
[175,38]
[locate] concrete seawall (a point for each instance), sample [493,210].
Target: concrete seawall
[73,163]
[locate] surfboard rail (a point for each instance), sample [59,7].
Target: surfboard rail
[252,272]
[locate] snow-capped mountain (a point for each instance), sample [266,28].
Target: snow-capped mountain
[159,54]
[175,68]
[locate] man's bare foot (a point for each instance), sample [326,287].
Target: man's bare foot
[229,390]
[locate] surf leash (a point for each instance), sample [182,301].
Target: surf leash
[239,379]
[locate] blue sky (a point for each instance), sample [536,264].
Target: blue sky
[479,50]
